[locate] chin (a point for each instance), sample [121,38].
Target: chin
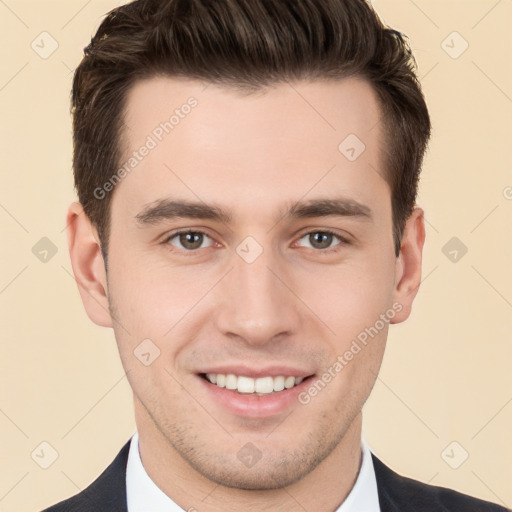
[249,479]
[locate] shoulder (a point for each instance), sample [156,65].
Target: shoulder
[106,493]
[397,493]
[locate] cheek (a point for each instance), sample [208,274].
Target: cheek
[152,296]
[350,297]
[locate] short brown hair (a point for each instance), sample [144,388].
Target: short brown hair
[246,45]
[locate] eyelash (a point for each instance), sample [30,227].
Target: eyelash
[191,252]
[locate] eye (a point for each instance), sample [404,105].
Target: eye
[322,240]
[192,240]
[188,240]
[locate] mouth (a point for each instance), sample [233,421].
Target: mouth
[251,392]
[248,386]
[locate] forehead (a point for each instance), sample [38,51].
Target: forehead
[210,142]
[324,109]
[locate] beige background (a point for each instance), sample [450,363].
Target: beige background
[447,372]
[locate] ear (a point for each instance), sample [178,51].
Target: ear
[408,264]
[88,265]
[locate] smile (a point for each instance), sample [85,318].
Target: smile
[247,385]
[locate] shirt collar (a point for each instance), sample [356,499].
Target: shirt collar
[143,495]
[364,495]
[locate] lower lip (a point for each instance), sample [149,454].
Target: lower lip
[252,406]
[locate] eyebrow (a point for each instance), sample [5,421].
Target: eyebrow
[168,209]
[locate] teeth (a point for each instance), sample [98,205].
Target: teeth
[278,383]
[245,385]
[264,384]
[260,386]
[289,382]
[219,379]
[231,381]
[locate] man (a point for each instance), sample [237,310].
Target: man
[247,174]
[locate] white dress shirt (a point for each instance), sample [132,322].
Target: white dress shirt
[143,495]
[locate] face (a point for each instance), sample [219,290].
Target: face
[253,241]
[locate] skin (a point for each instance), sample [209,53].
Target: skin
[295,304]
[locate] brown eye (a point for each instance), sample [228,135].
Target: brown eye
[322,240]
[188,240]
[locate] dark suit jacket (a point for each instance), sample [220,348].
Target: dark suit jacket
[396,493]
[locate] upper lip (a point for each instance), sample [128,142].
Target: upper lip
[267,371]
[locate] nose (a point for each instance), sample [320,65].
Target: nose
[256,301]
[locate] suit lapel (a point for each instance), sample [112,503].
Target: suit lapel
[386,481]
[108,492]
